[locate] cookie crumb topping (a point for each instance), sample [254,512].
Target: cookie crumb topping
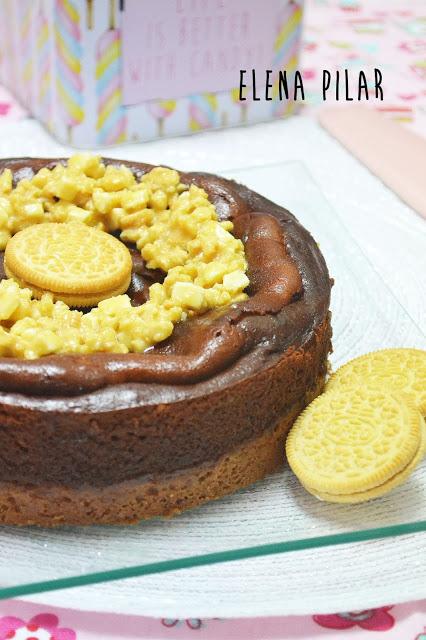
[176,229]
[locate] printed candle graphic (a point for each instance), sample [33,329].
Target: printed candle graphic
[12,66]
[419,68]
[44,68]
[397,112]
[89,14]
[25,15]
[243,104]
[69,51]
[160,110]
[203,111]
[286,48]
[111,122]
[350,5]
[367,25]
[5,58]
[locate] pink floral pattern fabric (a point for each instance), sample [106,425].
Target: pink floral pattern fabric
[191,623]
[364,34]
[26,621]
[370,619]
[43,626]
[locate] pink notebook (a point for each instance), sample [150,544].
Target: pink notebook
[394,154]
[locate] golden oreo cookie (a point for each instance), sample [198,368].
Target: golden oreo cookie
[387,486]
[398,370]
[351,442]
[79,265]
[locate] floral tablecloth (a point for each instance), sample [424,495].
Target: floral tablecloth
[390,34]
[26,621]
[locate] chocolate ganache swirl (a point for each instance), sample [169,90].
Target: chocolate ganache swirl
[289,296]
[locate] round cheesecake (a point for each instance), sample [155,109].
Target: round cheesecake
[115,438]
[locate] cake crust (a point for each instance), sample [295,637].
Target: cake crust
[166,492]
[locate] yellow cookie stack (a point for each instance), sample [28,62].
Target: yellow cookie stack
[77,264]
[366,434]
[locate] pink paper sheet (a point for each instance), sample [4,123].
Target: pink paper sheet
[395,155]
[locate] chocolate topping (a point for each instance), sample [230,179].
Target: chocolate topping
[288,298]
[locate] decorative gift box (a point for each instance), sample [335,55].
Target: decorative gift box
[101,72]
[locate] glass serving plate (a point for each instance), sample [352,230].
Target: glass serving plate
[276,515]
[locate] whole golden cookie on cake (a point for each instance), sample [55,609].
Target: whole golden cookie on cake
[399,370]
[77,264]
[353,445]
